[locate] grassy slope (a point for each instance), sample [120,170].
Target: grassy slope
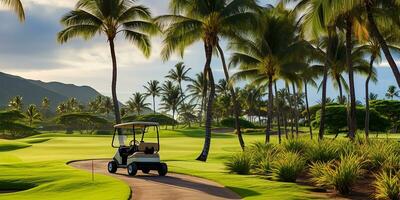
[43,164]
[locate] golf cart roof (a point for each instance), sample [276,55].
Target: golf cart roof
[136,124]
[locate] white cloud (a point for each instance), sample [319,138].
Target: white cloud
[386,64]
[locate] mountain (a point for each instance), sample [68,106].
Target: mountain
[33,91]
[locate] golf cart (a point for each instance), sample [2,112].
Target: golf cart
[134,154]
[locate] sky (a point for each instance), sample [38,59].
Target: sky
[30,50]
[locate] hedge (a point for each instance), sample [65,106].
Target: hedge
[230,122]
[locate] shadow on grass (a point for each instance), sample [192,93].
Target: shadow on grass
[244,192]
[199,133]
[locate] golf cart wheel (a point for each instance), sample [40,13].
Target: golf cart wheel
[132,169]
[112,167]
[146,170]
[162,169]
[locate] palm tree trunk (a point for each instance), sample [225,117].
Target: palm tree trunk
[114,83]
[207,142]
[233,94]
[154,104]
[371,65]
[308,108]
[296,115]
[173,117]
[341,100]
[291,110]
[270,107]
[349,47]
[278,114]
[201,111]
[376,33]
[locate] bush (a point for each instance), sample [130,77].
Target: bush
[378,152]
[345,147]
[336,121]
[340,175]
[287,167]
[239,163]
[389,109]
[230,122]
[296,145]
[82,122]
[387,186]
[323,151]
[262,157]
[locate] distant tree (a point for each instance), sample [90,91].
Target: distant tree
[45,107]
[16,103]
[197,93]
[16,6]
[373,96]
[106,106]
[137,103]
[171,98]
[32,114]
[392,92]
[82,122]
[186,115]
[179,74]
[153,89]
[62,108]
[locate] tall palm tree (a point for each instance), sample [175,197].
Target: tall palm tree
[272,50]
[62,108]
[392,92]
[153,89]
[106,105]
[198,93]
[171,98]
[206,21]
[110,17]
[32,114]
[137,103]
[179,74]
[16,103]
[16,6]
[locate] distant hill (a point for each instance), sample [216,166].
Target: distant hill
[34,91]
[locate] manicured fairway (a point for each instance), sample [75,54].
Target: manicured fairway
[41,162]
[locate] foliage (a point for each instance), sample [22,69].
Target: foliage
[230,122]
[10,124]
[287,166]
[262,157]
[159,118]
[388,108]
[336,122]
[387,186]
[82,122]
[378,152]
[323,151]
[340,175]
[296,145]
[239,163]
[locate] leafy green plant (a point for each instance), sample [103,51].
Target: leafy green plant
[262,156]
[323,151]
[287,167]
[239,163]
[378,152]
[339,175]
[230,122]
[296,145]
[387,186]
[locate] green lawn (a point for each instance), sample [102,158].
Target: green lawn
[39,163]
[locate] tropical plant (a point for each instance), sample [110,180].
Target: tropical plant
[197,93]
[16,6]
[392,92]
[179,74]
[239,163]
[32,114]
[137,103]
[62,108]
[92,17]
[153,89]
[287,167]
[186,115]
[171,98]
[387,186]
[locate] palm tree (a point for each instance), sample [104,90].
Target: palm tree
[186,111]
[205,21]
[179,74]
[106,105]
[153,89]
[16,6]
[373,96]
[198,93]
[32,114]
[45,106]
[137,103]
[92,17]
[16,103]
[171,98]
[271,51]
[62,108]
[72,104]
[392,92]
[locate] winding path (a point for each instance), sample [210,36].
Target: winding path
[170,187]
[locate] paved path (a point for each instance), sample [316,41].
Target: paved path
[170,187]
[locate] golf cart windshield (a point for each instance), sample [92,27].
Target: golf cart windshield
[132,134]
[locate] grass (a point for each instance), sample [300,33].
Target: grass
[43,165]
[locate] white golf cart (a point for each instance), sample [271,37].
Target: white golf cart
[133,154]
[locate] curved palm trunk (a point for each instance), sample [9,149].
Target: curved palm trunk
[207,142]
[278,115]
[296,114]
[291,110]
[154,104]
[341,99]
[308,108]
[270,107]
[201,111]
[114,83]
[376,33]
[233,94]
[349,47]
[371,65]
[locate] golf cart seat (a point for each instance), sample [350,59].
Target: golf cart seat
[148,148]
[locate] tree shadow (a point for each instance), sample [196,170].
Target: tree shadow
[244,192]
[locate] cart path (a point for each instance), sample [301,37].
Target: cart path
[171,187]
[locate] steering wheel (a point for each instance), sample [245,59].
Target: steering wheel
[134,143]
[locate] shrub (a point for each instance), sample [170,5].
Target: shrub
[82,122]
[323,151]
[389,109]
[296,145]
[378,152]
[345,147]
[239,163]
[335,120]
[340,175]
[262,157]
[230,122]
[387,186]
[287,167]
[392,163]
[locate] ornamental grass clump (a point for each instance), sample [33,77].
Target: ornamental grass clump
[239,163]
[387,186]
[296,145]
[287,166]
[323,151]
[262,156]
[339,175]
